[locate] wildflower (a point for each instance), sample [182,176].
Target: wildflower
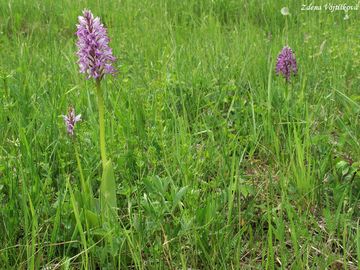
[285,11]
[70,120]
[95,55]
[286,63]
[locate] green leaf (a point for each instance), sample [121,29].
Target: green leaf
[345,170]
[356,165]
[92,219]
[179,195]
[108,187]
[246,190]
[78,219]
[341,164]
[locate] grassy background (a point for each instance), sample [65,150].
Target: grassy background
[219,163]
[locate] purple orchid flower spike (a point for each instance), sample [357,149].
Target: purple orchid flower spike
[70,120]
[286,63]
[95,55]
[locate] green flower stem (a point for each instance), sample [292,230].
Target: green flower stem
[84,187]
[101,108]
[286,30]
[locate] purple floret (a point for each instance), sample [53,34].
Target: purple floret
[286,63]
[70,120]
[95,55]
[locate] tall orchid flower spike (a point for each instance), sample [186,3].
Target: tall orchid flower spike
[96,60]
[95,55]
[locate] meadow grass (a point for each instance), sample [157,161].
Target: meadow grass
[219,163]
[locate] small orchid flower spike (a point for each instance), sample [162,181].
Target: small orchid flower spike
[70,120]
[286,63]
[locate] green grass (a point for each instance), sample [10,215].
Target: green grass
[219,164]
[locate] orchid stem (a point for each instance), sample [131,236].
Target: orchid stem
[101,108]
[84,186]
